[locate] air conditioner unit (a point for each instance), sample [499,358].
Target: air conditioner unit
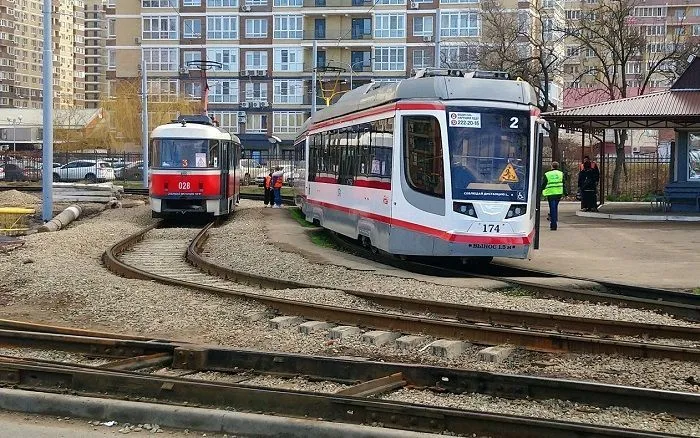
[636,149]
[256,104]
[241,113]
[262,72]
[245,104]
[415,5]
[245,8]
[427,38]
[249,72]
[264,104]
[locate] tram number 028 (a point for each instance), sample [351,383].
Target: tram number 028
[184,185]
[491,228]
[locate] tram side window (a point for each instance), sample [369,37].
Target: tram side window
[423,155]
[212,155]
[382,141]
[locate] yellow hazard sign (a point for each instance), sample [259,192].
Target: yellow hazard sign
[508,174]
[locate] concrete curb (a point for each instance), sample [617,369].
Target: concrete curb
[638,217]
[204,420]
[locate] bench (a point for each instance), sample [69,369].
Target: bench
[660,202]
[682,197]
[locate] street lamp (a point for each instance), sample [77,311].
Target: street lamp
[15,122]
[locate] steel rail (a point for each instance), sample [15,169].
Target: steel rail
[536,341]
[89,381]
[8,324]
[479,314]
[663,301]
[356,370]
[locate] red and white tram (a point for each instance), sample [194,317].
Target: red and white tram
[443,164]
[194,167]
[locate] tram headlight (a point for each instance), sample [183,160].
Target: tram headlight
[516,210]
[464,208]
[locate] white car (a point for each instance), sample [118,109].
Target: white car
[289,176]
[89,170]
[252,169]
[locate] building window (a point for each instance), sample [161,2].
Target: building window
[256,92]
[222,28]
[256,28]
[289,91]
[222,3]
[465,24]
[192,90]
[159,3]
[111,28]
[162,27]
[256,123]
[423,26]
[655,30]
[162,90]
[458,1]
[287,122]
[649,12]
[228,58]
[192,28]
[633,68]
[696,29]
[256,60]
[111,59]
[289,3]
[464,57]
[186,3]
[573,51]
[389,2]
[227,120]
[224,91]
[421,59]
[694,156]
[256,2]
[389,58]
[190,57]
[390,26]
[289,59]
[289,26]
[160,59]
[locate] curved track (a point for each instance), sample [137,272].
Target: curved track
[165,262]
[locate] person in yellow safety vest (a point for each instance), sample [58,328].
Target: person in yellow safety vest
[277,182]
[268,198]
[553,189]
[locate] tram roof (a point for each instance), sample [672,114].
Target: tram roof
[427,88]
[192,130]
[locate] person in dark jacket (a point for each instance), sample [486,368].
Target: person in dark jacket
[587,184]
[269,194]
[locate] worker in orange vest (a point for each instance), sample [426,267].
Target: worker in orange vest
[277,182]
[594,165]
[268,198]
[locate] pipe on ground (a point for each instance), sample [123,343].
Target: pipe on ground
[61,220]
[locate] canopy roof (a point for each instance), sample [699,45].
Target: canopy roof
[678,107]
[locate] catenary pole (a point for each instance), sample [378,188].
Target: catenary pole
[47,122]
[144,117]
[313,77]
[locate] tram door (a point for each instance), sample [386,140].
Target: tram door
[223,183]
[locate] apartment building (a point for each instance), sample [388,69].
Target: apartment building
[96,29]
[21,58]
[265,49]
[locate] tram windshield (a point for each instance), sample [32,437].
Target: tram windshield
[184,152]
[489,153]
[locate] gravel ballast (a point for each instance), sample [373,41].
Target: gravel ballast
[58,278]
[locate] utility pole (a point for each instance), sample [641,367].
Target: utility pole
[47,122]
[313,78]
[144,117]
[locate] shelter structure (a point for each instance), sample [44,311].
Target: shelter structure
[677,108]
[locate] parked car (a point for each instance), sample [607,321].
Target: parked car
[251,169]
[32,173]
[289,176]
[11,172]
[90,170]
[130,171]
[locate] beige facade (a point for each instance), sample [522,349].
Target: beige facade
[21,58]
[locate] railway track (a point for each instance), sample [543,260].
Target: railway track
[680,304]
[167,262]
[126,375]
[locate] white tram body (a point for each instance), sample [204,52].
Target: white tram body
[442,164]
[193,168]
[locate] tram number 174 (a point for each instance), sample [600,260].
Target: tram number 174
[491,228]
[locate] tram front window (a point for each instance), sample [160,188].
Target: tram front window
[489,153]
[185,152]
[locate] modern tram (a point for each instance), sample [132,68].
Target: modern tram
[194,168]
[441,164]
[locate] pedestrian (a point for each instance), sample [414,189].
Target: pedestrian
[587,184]
[269,195]
[277,182]
[553,190]
[594,165]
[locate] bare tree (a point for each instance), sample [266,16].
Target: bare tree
[619,56]
[527,44]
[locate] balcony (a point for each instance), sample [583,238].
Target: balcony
[343,35]
[337,3]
